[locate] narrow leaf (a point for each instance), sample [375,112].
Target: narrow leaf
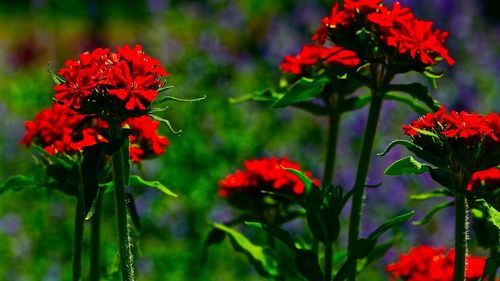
[302,90]
[390,224]
[17,183]
[417,91]
[414,104]
[427,218]
[405,166]
[429,195]
[158,118]
[276,232]
[265,263]
[138,181]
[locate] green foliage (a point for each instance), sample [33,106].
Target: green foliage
[429,216]
[136,180]
[302,90]
[405,166]
[262,258]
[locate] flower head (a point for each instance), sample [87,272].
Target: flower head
[425,263]
[126,80]
[312,55]
[489,179]
[374,31]
[266,174]
[474,137]
[145,141]
[53,129]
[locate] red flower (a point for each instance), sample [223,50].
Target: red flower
[362,6]
[462,126]
[418,38]
[427,122]
[263,174]
[128,78]
[396,27]
[425,263]
[311,55]
[489,178]
[53,129]
[145,141]
[391,18]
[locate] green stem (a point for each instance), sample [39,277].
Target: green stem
[331,149]
[95,242]
[361,175]
[493,272]
[328,261]
[460,237]
[124,239]
[79,227]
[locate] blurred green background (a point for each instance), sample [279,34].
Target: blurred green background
[221,49]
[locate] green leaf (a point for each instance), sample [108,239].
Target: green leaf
[365,246]
[302,90]
[138,181]
[172,98]
[215,236]
[380,250]
[265,95]
[307,263]
[417,91]
[57,79]
[308,183]
[437,161]
[390,224]
[164,88]
[432,194]
[415,105]
[160,119]
[442,176]
[91,170]
[493,214]
[263,260]
[276,232]
[18,183]
[355,103]
[427,218]
[405,166]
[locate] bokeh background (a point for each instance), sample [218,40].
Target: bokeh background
[221,49]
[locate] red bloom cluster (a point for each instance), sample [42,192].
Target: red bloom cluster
[264,174]
[312,55]
[425,263]
[489,178]
[127,79]
[145,142]
[396,27]
[473,137]
[460,125]
[53,129]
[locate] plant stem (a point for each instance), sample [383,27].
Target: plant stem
[124,239]
[328,261]
[331,148]
[79,227]
[361,175]
[460,237]
[95,242]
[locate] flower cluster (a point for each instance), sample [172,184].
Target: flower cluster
[475,137]
[53,129]
[145,141]
[101,80]
[489,179]
[266,174]
[378,33]
[425,263]
[314,56]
